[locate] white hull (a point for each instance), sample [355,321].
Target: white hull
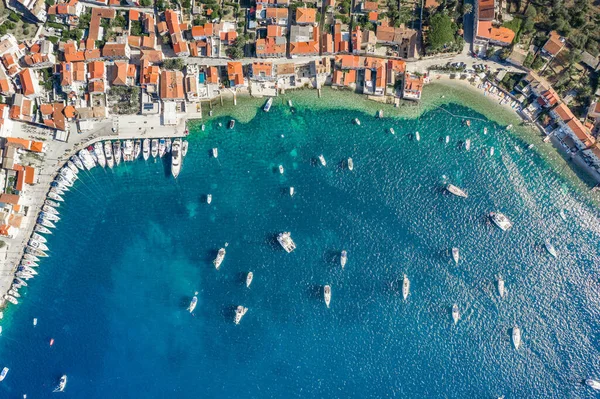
[146,149]
[176,158]
[99,151]
[108,153]
[516,337]
[327,295]
[249,278]
[455,314]
[405,287]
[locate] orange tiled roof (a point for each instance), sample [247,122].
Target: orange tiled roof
[306,15]
[26,77]
[501,34]
[171,85]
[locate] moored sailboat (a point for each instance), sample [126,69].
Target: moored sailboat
[117,152]
[327,295]
[455,313]
[154,148]
[344,258]
[99,151]
[452,189]
[455,255]
[516,337]
[249,278]
[108,153]
[193,303]
[219,259]
[405,287]
[146,149]
[350,164]
[239,313]
[62,384]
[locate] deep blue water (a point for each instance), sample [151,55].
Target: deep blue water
[134,244]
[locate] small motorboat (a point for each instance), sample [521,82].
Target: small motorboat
[35,321]
[61,384]
[452,189]
[290,103]
[3,373]
[208,198]
[11,299]
[249,278]
[344,258]
[268,105]
[550,248]
[501,289]
[327,295]
[239,313]
[162,147]
[193,303]
[405,287]
[455,255]
[455,313]
[219,259]
[467,144]
[350,164]
[168,144]
[291,191]
[447,139]
[594,384]
[357,121]
[417,136]
[322,159]
[281,169]
[485,130]
[492,151]
[380,114]
[392,131]
[516,337]
[231,124]
[184,147]
[215,152]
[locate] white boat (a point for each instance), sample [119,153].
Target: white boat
[467,144]
[350,164]
[184,148]
[176,158]
[77,161]
[509,127]
[491,151]
[356,121]
[290,103]
[41,229]
[11,299]
[14,293]
[162,146]
[54,195]
[193,303]
[35,321]
[380,113]
[21,283]
[99,151]
[327,294]
[146,149]
[92,154]
[137,149]
[128,151]
[28,263]
[52,203]
[154,148]
[594,384]
[3,373]
[168,144]
[285,240]
[447,139]
[208,198]
[516,337]
[417,136]
[61,384]
[485,130]
[117,152]
[72,166]
[46,223]
[86,159]
[405,287]
[49,216]
[249,278]
[344,258]
[281,169]
[215,152]
[455,255]
[455,313]
[24,276]
[268,105]
[291,191]
[31,257]
[239,313]
[550,248]
[322,159]
[392,131]
[500,220]
[219,259]
[501,290]
[49,209]
[38,237]
[38,245]
[108,153]
[456,191]
[231,123]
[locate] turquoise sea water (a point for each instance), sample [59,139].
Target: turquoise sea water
[134,245]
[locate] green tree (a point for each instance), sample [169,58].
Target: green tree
[441,33]
[146,3]
[467,9]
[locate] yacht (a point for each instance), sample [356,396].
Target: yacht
[208,198]
[42,229]
[31,258]
[467,144]
[501,290]
[86,159]
[344,258]
[146,149]
[11,299]
[24,276]
[117,151]
[169,145]
[37,245]
[594,384]
[128,151]
[3,373]
[154,148]
[54,195]
[268,105]
[219,259]
[162,146]
[20,282]
[500,220]
[49,209]
[193,303]
[350,164]
[516,337]
[455,313]
[49,216]
[215,152]
[27,269]
[356,121]
[72,166]
[550,248]
[28,263]
[108,153]
[99,151]
[184,148]
[46,222]
[77,161]
[456,191]
[51,203]
[137,149]
[176,158]
[281,169]
[249,278]
[417,136]
[239,313]
[14,293]
[327,295]
[322,159]
[405,287]
[92,154]
[380,113]
[231,124]
[455,255]
[36,252]
[58,188]
[291,191]
[392,131]
[61,384]
[38,237]
[286,241]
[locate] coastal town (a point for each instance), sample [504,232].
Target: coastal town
[76,72]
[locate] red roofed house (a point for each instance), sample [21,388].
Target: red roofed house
[30,84]
[356,40]
[116,51]
[413,86]
[262,71]
[554,45]
[272,46]
[499,36]
[171,86]
[235,74]
[306,16]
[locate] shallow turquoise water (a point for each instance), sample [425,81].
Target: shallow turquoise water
[133,245]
